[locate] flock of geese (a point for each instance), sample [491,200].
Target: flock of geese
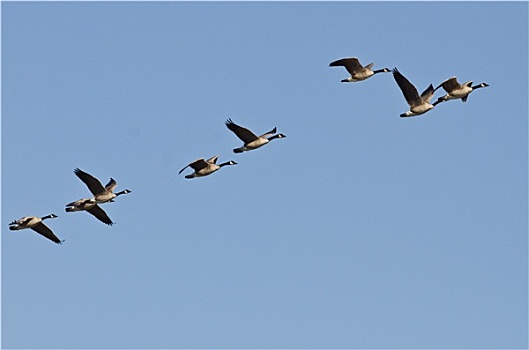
[100,195]
[251,141]
[419,104]
[105,194]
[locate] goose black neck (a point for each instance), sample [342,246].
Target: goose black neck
[226,163]
[478,86]
[275,137]
[381,70]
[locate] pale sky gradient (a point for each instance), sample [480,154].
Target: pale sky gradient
[359,230]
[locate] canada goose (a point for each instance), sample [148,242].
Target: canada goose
[357,71]
[455,90]
[418,104]
[205,167]
[251,141]
[89,205]
[35,223]
[101,194]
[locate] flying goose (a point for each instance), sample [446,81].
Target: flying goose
[205,167]
[418,104]
[89,205]
[251,141]
[101,194]
[455,90]
[35,223]
[357,71]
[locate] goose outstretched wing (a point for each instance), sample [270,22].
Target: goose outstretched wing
[93,184]
[450,84]
[408,89]
[111,185]
[351,64]
[196,165]
[244,134]
[212,160]
[100,215]
[46,232]
[428,93]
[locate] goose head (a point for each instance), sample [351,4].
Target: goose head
[51,216]
[278,136]
[231,162]
[383,70]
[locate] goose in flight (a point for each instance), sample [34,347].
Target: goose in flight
[457,91]
[418,104]
[101,194]
[35,223]
[251,141]
[356,70]
[89,205]
[203,167]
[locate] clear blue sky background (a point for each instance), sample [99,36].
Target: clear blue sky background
[359,230]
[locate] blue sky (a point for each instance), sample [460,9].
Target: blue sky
[359,230]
